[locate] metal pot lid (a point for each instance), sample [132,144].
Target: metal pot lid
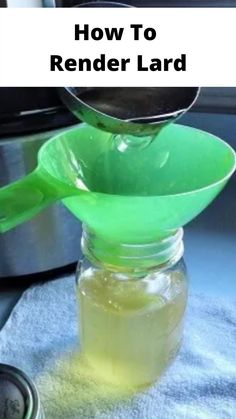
[19,398]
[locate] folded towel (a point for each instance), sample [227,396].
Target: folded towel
[41,338]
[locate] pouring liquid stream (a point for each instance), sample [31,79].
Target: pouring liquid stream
[131,108]
[124,165]
[125,156]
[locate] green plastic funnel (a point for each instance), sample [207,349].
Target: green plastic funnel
[124,193]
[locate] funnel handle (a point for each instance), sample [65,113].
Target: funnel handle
[25,198]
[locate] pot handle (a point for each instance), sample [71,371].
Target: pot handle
[25,198]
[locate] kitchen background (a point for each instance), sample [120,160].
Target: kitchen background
[49,245]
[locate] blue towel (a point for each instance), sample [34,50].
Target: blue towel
[41,337]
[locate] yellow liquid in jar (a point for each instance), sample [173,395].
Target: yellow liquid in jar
[131,330]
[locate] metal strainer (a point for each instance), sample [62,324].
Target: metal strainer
[136,111]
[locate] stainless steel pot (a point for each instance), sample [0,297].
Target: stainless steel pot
[49,241]
[29,117]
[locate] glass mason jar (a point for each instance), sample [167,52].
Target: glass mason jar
[132,300]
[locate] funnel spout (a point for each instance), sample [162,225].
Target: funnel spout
[133,258]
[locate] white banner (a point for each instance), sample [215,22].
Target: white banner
[118,47]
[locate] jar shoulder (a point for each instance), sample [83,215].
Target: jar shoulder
[121,289]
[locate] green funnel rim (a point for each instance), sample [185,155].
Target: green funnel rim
[223,180]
